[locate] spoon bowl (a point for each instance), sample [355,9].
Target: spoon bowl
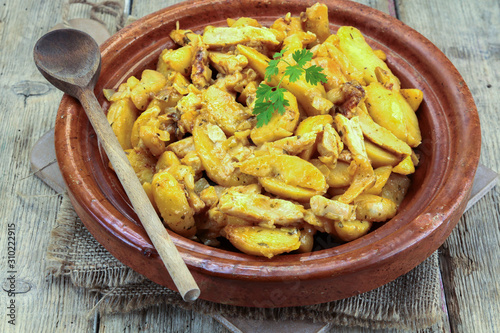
[69,59]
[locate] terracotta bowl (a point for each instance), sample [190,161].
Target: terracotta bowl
[437,198]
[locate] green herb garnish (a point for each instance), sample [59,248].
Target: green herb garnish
[271,99]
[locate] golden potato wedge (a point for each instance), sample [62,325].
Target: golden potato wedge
[290,169]
[361,55]
[316,21]
[143,164]
[261,241]
[283,190]
[280,126]
[414,97]
[389,109]
[151,82]
[351,230]
[380,157]
[374,208]
[121,116]
[382,175]
[173,204]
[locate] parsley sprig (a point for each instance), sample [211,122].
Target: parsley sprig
[271,99]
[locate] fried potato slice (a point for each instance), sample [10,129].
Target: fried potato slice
[121,116]
[280,126]
[151,83]
[361,55]
[316,21]
[283,190]
[389,109]
[381,135]
[374,208]
[260,208]
[173,204]
[143,164]
[311,97]
[261,241]
[292,170]
[351,230]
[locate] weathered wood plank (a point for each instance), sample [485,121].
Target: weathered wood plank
[29,106]
[468,34]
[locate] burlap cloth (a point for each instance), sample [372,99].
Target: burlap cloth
[413,301]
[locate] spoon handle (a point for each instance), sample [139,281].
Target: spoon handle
[173,261]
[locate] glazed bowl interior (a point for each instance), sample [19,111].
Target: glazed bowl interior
[440,186]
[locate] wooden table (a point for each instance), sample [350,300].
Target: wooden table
[466,31]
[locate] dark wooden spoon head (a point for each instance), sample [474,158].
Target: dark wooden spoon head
[69,59]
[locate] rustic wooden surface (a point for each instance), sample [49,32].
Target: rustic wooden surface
[466,31]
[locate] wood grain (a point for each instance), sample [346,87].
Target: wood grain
[469,258]
[28,108]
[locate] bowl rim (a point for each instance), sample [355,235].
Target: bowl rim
[436,220]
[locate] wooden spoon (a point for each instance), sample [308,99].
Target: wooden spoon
[71,61]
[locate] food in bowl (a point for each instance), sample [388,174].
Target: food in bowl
[229,143]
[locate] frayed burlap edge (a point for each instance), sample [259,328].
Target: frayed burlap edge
[123,290]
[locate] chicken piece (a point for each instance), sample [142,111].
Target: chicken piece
[293,145]
[201,74]
[364,178]
[329,146]
[221,108]
[189,108]
[182,147]
[332,209]
[259,208]
[216,37]
[219,165]
[352,94]
[314,124]
[351,134]
[226,63]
